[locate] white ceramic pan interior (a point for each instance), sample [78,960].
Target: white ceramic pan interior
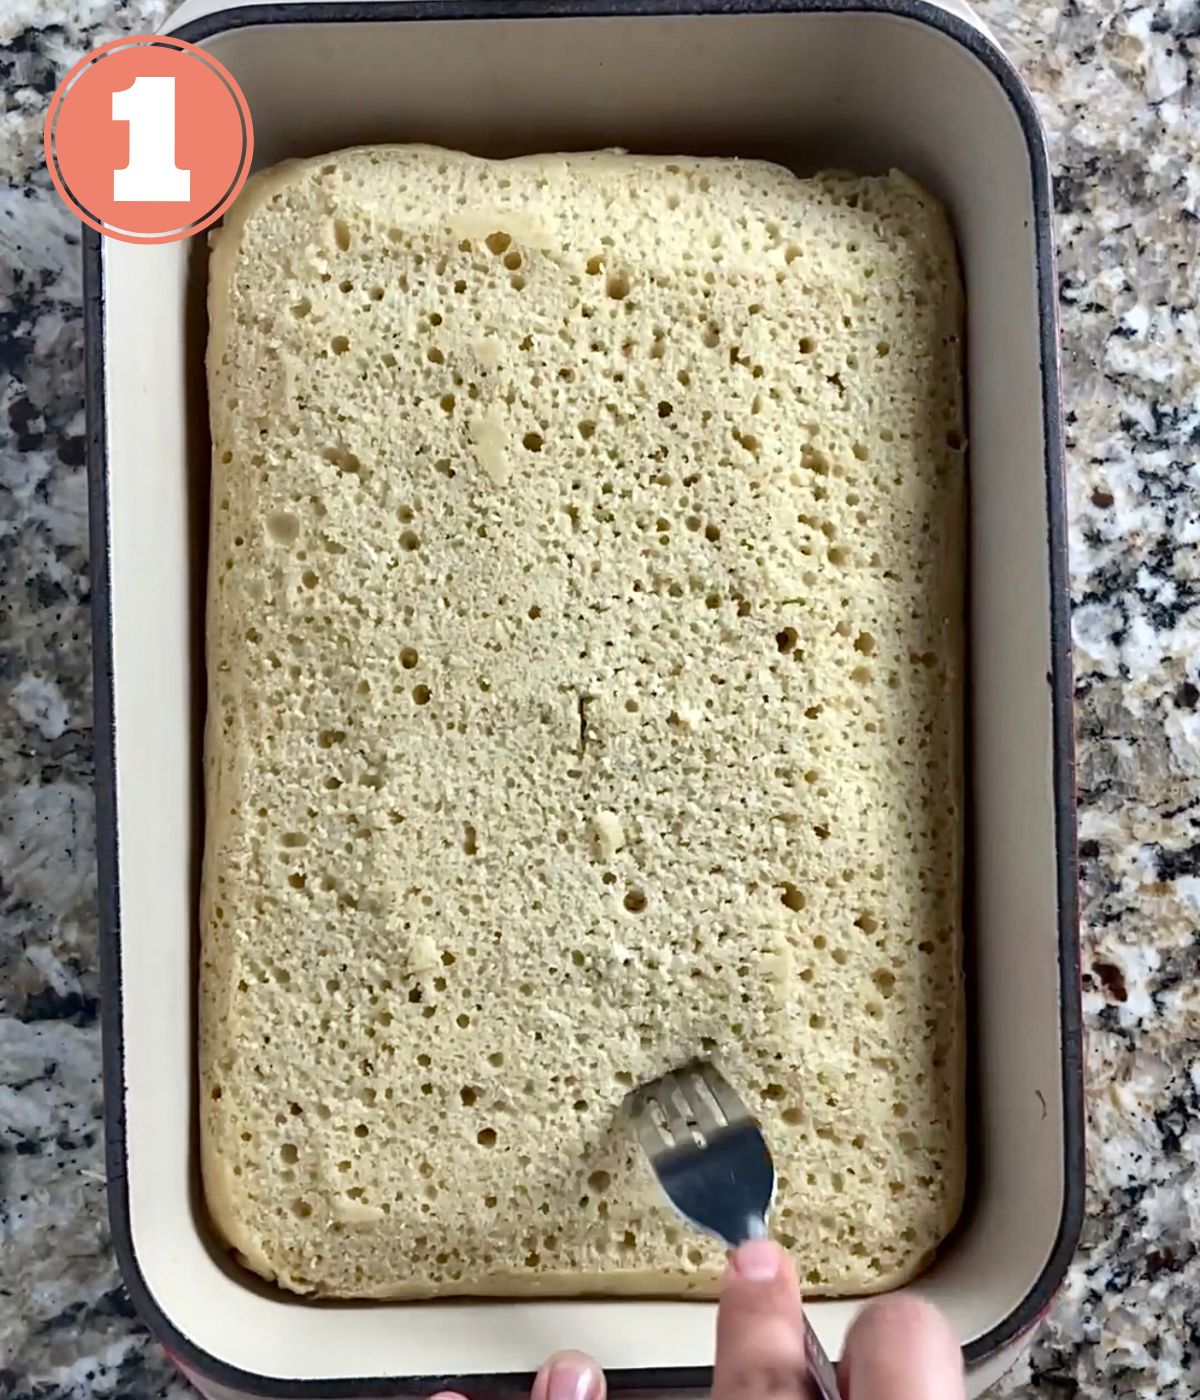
[861,86]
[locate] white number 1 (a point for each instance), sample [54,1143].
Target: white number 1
[148,105]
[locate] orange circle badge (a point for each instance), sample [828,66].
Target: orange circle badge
[148,139]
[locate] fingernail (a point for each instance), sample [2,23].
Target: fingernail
[756,1261]
[572,1379]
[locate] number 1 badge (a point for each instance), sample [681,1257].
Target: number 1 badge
[148,139]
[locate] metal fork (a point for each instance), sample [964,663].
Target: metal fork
[714,1165]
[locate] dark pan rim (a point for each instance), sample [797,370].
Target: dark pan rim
[1027,1312]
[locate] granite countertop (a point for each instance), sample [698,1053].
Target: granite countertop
[1116,85]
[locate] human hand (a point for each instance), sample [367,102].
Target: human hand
[898,1348]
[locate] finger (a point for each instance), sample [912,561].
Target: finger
[569,1375]
[902,1349]
[447,1395]
[760,1327]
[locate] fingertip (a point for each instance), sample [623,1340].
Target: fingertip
[569,1375]
[757,1261]
[902,1348]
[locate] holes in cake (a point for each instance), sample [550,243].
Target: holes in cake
[301,308]
[792,898]
[599,1182]
[297,880]
[532,442]
[617,285]
[421,695]
[470,842]
[446,403]
[309,579]
[486,1137]
[301,1208]
[410,541]
[712,533]
[814,460]
[786,639]
[498,243]
[793,1116]
[469,1095]
[867,922]
[885,980]
[665,408]
[283,527]
[864,643]
[343,460]
[955,441]
[435,356]
[635,901]
[361,1130]
[341,235]
[340,344]
[289,1154]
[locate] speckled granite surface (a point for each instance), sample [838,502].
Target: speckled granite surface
[1116,84]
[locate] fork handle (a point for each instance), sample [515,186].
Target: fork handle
[822,1378]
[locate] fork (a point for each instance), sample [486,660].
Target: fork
[713,1163]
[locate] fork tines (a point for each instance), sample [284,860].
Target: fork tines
[685,1108]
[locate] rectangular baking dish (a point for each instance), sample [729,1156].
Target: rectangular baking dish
[863,84]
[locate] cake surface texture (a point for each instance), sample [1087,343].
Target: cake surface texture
[584,693]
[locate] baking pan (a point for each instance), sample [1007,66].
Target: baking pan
[861,84]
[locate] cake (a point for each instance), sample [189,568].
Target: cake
[584,697]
